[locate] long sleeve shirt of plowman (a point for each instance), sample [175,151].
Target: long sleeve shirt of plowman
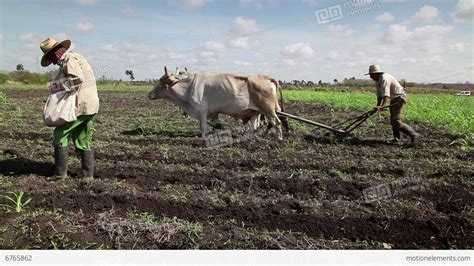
[74,67]
[388,86]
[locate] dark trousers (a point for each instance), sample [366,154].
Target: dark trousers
[396,115]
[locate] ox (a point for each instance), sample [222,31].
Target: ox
[206,95]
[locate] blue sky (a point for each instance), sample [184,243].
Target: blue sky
[423,41]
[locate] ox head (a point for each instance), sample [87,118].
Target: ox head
[165,83]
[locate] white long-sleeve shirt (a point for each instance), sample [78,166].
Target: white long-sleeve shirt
[388,86]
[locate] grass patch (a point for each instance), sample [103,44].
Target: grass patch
[450,112]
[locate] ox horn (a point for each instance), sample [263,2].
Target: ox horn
[186,69]
[166,71]
[177,71]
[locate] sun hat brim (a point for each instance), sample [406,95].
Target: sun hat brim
[45,61]
[375,72]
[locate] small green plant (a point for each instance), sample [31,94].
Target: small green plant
[142,127]
[3,97]
[16,199]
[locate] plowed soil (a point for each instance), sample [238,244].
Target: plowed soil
[159,187]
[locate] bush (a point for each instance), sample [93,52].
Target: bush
[25,77]
[3,78]
[358,83]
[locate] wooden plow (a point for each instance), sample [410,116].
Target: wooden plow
[342,129]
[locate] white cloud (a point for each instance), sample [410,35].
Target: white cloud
[312,2]
[87,2]
[297,50]
[427,14]
[258,57]
[464,11]
[27,37]
[396,33]
[242,63]
[256,3]
[243,43]
[244,26]
[287,62]
[1,38]
[176,56]
[458,47]
[110,47]
[212,49]
[82,27]
[188,4]
[127,9]
[127,47]
[32,40]
[340,31]
[192,4]
[385,17]
[426,39]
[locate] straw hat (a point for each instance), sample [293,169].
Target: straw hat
[374,69]
[48,45]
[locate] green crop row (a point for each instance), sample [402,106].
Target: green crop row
[450,112]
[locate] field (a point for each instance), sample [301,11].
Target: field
[450,112]
[160,187]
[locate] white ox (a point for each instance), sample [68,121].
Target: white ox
[206,95]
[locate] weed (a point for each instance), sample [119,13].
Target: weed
[17,204]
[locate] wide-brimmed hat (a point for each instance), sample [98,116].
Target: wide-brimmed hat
[374,69]
[48,45]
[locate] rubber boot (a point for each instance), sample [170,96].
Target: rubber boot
[87,158]
[406,129]
[396,136]
[60,164]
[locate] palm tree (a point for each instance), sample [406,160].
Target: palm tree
[20,67]
[130,74]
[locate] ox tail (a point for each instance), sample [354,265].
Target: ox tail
[283,119]
[279,107]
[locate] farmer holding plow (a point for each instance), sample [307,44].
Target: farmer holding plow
[389,87]
[74,74]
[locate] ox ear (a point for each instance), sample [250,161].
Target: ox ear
[186,69]
[166,71]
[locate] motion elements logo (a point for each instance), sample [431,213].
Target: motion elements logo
[228,137]
[344,10]
[389,190]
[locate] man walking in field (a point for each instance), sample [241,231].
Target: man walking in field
[74,74]
[389,87]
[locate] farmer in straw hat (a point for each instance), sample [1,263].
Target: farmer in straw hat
[74,74]
[389,87]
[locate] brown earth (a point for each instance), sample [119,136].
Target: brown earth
[158,185]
